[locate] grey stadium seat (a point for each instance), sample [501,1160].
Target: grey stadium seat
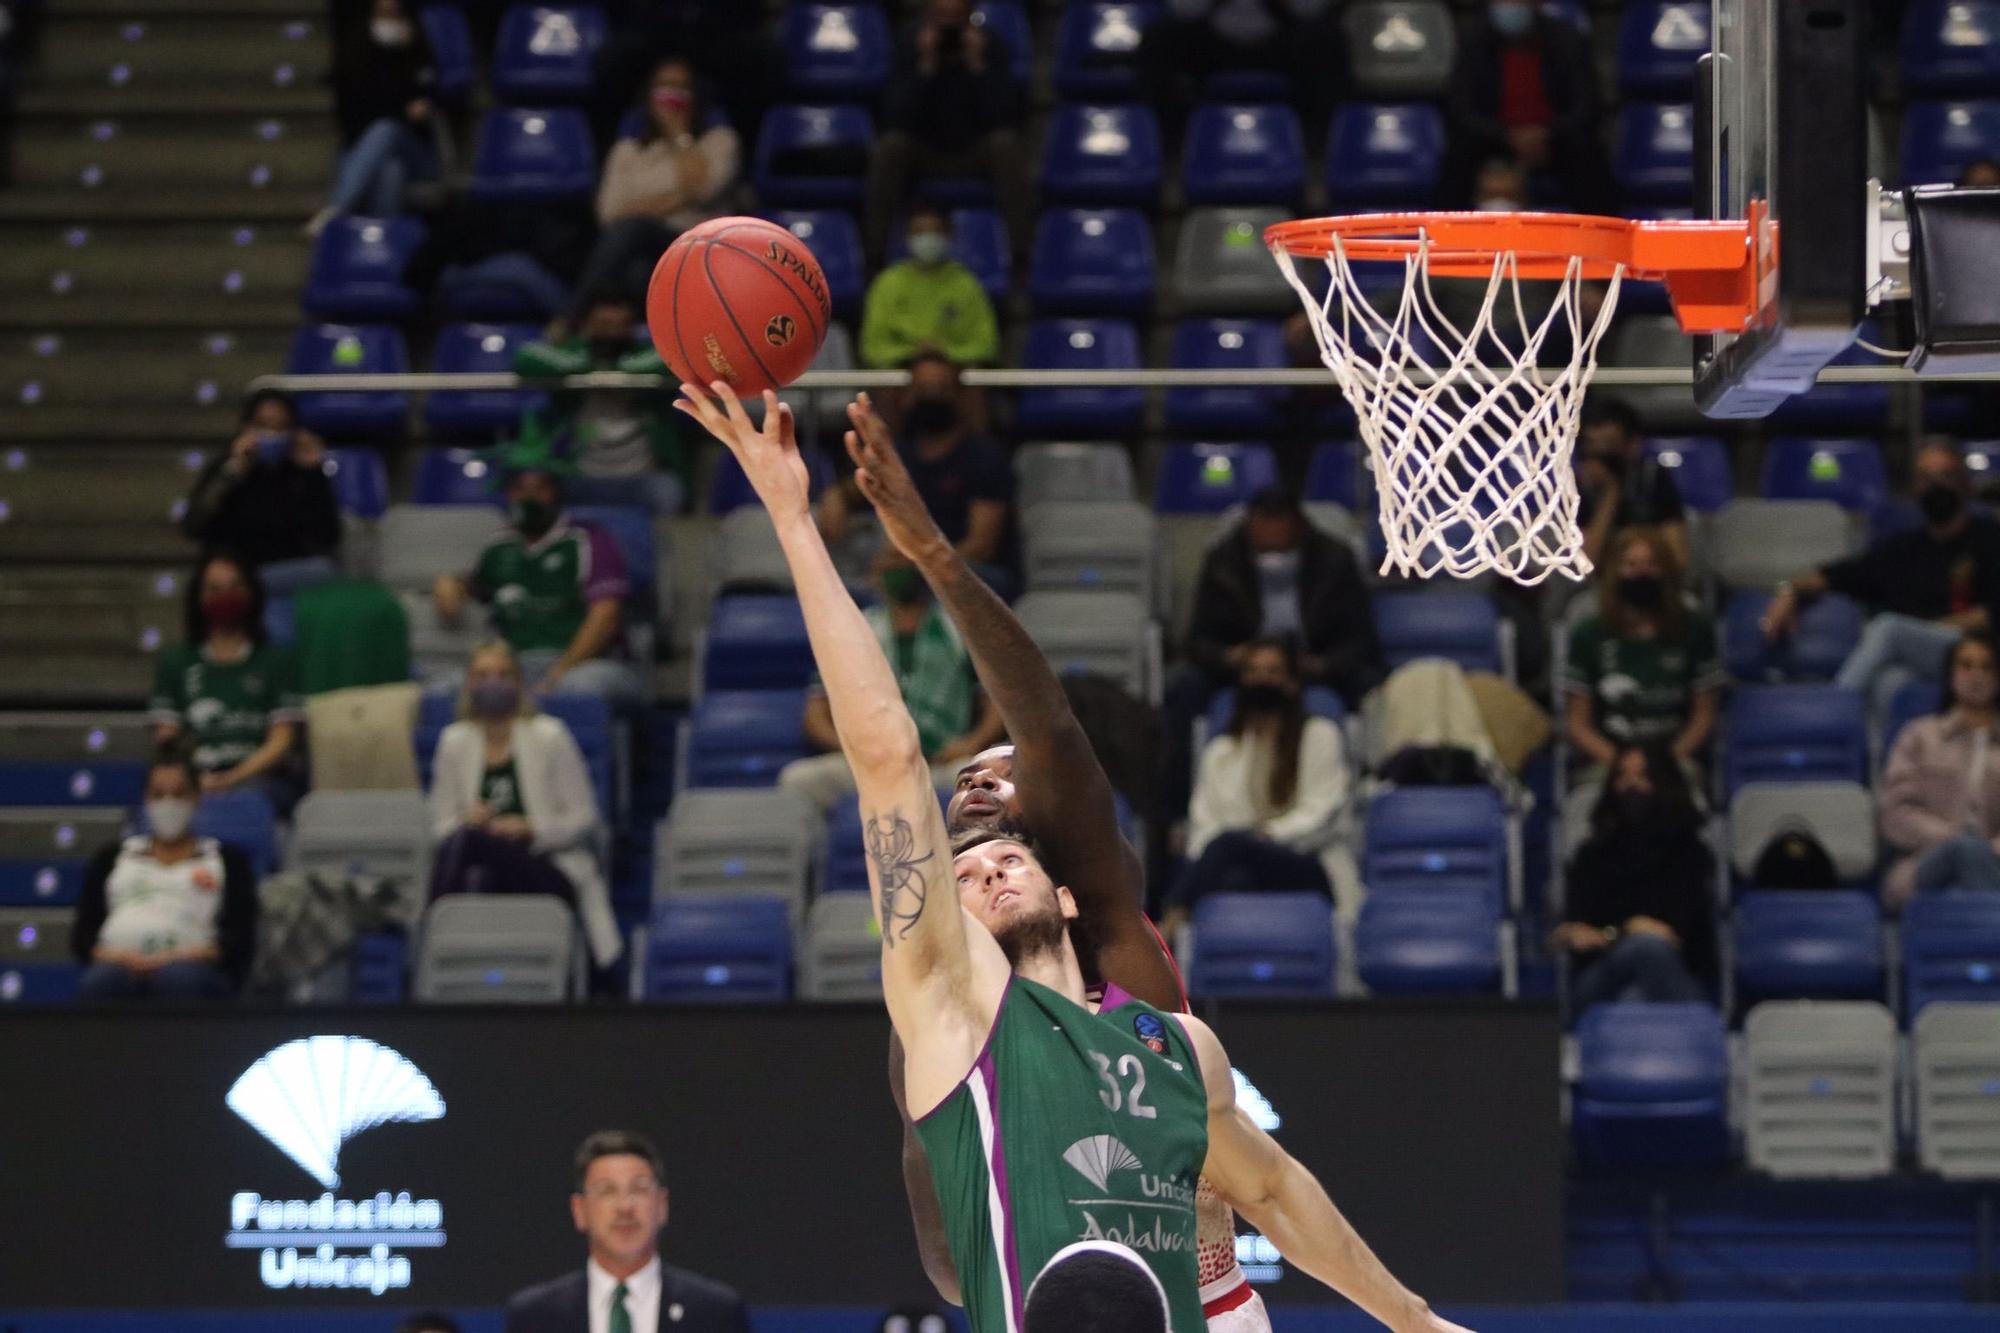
[1221,266]
[438,650]
[737,842]
[1400,48]
[1820,1088]
[1957,1064]
[1840,814]
[498,949]
[1045,472]
[1761,543]
[364,832]
[1097,545]
[1108,633]
[1656,340]
[746,554]
[843,953]
[420,542]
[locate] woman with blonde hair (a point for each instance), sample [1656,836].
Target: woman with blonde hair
[511,802]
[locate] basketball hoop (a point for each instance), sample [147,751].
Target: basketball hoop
[1469,438]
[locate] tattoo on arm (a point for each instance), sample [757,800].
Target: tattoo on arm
[891,844]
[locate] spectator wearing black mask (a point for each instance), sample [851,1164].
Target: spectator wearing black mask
[1525,87]
[1926,585]
[383,77]
[953,110]
[1637,922]
[268,499]
[1621,486]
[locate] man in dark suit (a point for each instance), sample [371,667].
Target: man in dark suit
[621,1205]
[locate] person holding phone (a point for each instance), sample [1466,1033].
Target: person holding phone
[268,498]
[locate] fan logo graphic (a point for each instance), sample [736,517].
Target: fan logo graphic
[308,1098]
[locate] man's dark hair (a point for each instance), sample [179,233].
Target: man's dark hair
[177,758]
[1096,1290]
[984,836]
[1274,502]
[1611,412]
[617,1143]
[194,622]
[928,211]
[263,396]
[929,356]
[1673,807]
[428,1321]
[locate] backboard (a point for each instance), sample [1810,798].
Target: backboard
[1781,142]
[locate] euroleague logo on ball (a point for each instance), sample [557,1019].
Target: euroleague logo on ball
[781,330]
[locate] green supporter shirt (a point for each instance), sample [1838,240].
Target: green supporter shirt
[664,428]
[910,305]
[225,709]
[500,789]
[1641,690]
[541,592]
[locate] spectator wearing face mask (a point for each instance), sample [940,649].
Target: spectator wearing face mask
[1524,87]
[383,79]
[1644,669]
[556,587]
[671,176]
[964,475]
[511,802]
[1941,789]
[933,667]
[165,914]
[1926,586]
[1269,792]
[928,303]
[1622,487]
[1638,924]
[226,694]
[268,499]
[626,444]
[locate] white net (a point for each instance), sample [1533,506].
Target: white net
[1468,438]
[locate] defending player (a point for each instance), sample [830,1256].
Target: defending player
[1027,1097]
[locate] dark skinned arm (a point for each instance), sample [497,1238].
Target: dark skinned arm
[925,1214]
[1065,796]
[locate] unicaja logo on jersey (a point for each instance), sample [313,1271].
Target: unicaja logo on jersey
[1096,1157]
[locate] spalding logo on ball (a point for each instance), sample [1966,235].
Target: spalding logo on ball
[739,300]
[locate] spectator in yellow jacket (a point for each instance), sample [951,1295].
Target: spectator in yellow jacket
[928,303]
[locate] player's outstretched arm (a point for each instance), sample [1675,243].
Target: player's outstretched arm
[938,990]
[1279,1197]
[1065,795]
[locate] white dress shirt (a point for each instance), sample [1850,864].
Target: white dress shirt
[642,1297]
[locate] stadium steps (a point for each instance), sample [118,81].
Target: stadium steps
[55,737]
[96,386]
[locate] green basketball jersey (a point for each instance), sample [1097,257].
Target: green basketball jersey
[1071,1126]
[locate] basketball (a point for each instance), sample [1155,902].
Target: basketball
[739,300]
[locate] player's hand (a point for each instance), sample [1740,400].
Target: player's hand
[769,457]
[511,826]
[885,482]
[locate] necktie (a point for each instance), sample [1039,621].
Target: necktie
[621,1318]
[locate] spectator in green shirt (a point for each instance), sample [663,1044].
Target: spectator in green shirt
[226,694]
[1644,669]
[625,444]
[928,303]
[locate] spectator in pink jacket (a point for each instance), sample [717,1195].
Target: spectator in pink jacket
[1941,795]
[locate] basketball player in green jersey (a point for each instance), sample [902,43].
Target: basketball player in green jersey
[1045,1123]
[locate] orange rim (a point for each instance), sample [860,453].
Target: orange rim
[1707,266]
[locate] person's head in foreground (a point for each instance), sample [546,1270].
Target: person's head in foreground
[1095,1286]
[173,793]
[1971,674]
[1002,883]
[1639,592]
[1943,485]
[983,799]
[620,1201]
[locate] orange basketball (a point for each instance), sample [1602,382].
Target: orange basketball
[739,300]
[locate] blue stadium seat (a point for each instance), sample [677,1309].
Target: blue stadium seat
[1658,44]
[1385,153]
[835,51]
[1808,944]
[1097,49]
[1226,344]
[1652,1092]
[525,156]
[978,241]
[1420,839]
[757,643]
[1008,21]
[1700,467]
[1103,155]
[1951,948]
[1827,630]
[1080,344]
[335,349]
[1795,733]
[1334,474]
[847,132]
[1434,943]
[465,349]
[1917,698]
[52,881]
[357,269]
[360,481]
[846,867]
[1262,944]
[454,477]
[451,50]
[545,51]
[378,969]
[1983,458]
[731,490]
[631,527]
[72,782]
[1951,47]
[1846,408]
[1941,138]
[1461,626]
[836,243]
[741,738]
[1244,154]
[245,820]
[1210,478]
[719,950]
[1092,262]
[1655,161]
[39,983]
